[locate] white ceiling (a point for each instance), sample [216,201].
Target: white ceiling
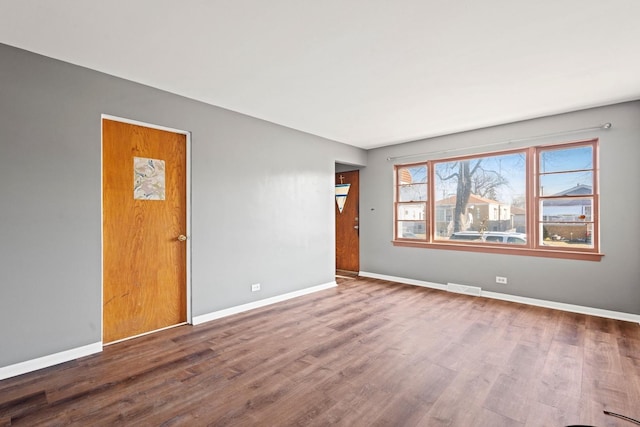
[364,72]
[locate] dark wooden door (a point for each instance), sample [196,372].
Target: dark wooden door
[348,222]
[144,229]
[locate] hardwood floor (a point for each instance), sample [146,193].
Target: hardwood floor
[368,353]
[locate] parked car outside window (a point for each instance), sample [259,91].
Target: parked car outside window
[492,236]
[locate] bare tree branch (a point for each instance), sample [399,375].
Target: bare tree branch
[470,179]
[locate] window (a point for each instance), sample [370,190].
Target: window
[566,196]
[539,201]
[411,209]
[477,194]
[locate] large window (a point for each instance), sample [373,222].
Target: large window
[534,201]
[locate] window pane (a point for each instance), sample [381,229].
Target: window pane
[566,210]
[567,184]
[569,235]
[412,230]
[412,175]
[411,211]
[566,159]
[412,193]
[493,188]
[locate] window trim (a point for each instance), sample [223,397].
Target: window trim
[533,220]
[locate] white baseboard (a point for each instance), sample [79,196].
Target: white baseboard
[617,315]
[414,282]
[50,360]
[257,304]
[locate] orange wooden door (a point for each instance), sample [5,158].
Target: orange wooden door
[144,229]
[347,224]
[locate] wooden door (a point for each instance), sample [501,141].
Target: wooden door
[348,224]
[144,229]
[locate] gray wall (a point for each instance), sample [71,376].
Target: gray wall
[262,201]
[612,284]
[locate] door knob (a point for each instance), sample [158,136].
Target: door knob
[182,237]
[356,227]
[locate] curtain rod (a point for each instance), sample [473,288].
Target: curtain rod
[509,141]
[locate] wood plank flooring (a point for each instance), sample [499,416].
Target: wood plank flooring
[368,353]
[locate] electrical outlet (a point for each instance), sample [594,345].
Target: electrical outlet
[255,287]
[501,280]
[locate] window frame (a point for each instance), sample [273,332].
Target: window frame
[534,245]
[397,203]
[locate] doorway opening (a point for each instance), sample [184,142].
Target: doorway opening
[347,216]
